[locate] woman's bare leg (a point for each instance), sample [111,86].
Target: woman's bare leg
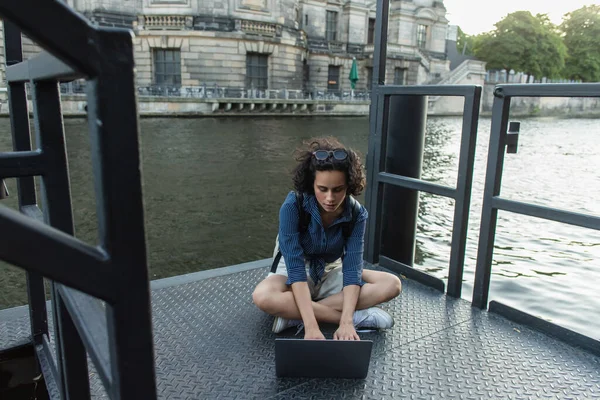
[274,297]
[380,287]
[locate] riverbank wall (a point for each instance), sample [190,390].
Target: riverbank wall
[583,107]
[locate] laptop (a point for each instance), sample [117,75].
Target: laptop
[322,358]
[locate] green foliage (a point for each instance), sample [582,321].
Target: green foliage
[523,42]
[581,30]
[464,42]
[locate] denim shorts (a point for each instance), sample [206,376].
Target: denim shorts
[331,282]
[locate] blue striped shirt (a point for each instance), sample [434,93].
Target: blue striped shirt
[319,245]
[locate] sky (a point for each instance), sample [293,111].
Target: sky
[477,16]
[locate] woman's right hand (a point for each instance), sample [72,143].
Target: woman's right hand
[313,334]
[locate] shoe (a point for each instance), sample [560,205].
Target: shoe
[281,324]
[374,318]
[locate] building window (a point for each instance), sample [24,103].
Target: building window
[305,20]
[257,71]
[333,78]
[369,78]
[371,32]
[422,36]
[167,67]
[399,76]
[305,74]
[331,26]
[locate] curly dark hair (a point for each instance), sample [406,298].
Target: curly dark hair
[304,173]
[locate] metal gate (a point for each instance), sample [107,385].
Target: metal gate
[100,294]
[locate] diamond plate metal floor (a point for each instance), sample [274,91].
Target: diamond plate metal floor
[213,343]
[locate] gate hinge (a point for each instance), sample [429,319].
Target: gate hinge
[512,137]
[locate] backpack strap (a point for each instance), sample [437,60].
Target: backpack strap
[303,216]
[303,221]
[348,226]
[276,261]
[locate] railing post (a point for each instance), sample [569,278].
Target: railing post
[373,196]
[463,192]
[489,214]
[21,136]
[404,156]
[56,196]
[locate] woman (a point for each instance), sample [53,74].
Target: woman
[320,277]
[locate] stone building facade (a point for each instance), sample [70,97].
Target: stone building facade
[303,45]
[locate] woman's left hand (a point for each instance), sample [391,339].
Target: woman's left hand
[346,332]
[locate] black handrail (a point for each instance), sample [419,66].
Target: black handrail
[378,177]
[381,98]
[501,136]
[502,140]
[492,202]
[118,334]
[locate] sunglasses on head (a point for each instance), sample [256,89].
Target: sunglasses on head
[324,155]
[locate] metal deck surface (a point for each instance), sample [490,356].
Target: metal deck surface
[211,342]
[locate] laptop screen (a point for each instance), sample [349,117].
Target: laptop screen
[322,358]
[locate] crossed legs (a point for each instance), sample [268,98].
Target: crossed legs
[274,297]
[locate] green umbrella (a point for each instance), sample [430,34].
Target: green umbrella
[353,73]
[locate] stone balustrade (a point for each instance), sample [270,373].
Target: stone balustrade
[174,22]
[259,28]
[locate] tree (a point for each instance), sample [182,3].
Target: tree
[581,30]
[523,42]
[464,43]
[550,52]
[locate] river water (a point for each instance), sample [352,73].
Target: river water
[213,188]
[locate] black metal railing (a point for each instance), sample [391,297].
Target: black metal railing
[504,138]
[228,92]
[100,294]
[381,172]
[397,127]
[214,91]
[393,123]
